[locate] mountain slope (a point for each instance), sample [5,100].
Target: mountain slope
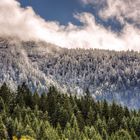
[105,74]
[17,68]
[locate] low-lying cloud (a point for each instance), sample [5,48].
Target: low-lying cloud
[26,24]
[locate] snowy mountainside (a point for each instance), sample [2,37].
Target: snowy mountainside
[105,74]
[17,68]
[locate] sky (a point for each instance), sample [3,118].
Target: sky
[60,10]
[65,9]
[102,24]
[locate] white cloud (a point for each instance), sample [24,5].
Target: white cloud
[87,1]
[95,2]
[122,9]
[25,24]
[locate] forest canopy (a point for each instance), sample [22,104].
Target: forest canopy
[57,116]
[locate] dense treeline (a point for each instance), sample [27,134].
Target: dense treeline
[57,116]
[106,74]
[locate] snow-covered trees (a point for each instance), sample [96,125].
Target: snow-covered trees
[106,74]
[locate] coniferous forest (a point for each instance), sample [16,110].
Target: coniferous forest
[56,116]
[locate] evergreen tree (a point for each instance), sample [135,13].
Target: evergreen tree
[57,116]
[90,117]
[100,125]
[43,103]
[91,133]
[75,133]
[112,126]
[28,131]
[133,134]
[67,131]
[2,106]
[3,130]
[5,93]
[105,110]
[122,135]
[35,100]
[104,134]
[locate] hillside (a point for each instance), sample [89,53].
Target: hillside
[106,74]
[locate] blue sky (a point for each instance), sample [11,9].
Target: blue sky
[63,11]
[60,10]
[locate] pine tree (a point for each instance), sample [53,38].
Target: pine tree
[80,120]
[28,131]
[126,112]
[43,104]
[20,100]
[17,112]
[133,134]
[105,110]
[2,106]
[27,120]
[10,127]
[75,133]
[112,126]
[67,131]
[47,132]
[3,130]
[100,125]
[18,129]
[122,135]
[91,133]
[124,123]
[59,130]
[51,100]
[90,117]
[35,100]
[104,134]
[5,93]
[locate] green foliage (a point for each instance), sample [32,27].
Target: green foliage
[122,135]
[57,116]
[3,130]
